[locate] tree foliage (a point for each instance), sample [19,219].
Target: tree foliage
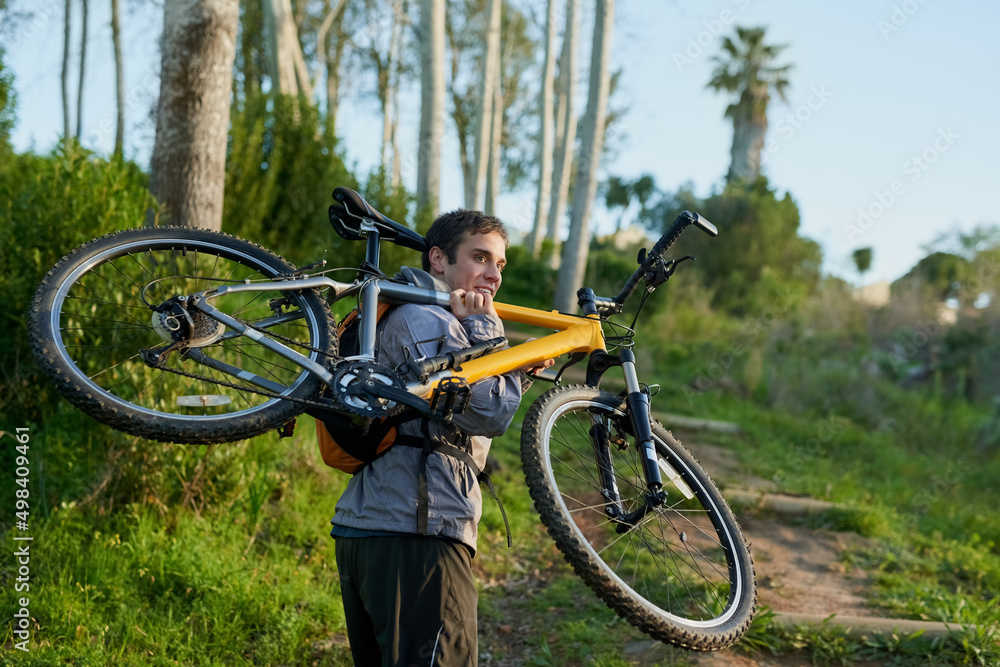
[518,49]
[758,262]
[862,259]
[620,193]
[48,206]
[939,276]
[280,174]
[6,108]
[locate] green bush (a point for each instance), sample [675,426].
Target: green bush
[49,205]
[758,263]
[280,172]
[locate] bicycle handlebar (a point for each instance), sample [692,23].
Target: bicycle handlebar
[685,219]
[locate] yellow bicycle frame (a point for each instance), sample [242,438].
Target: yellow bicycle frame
[573,334]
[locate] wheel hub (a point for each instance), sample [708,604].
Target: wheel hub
[178,324]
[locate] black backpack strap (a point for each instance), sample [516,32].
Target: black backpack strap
[484,477]
[426,446]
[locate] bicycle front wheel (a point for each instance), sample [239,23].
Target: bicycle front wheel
[94,314]
[683,574]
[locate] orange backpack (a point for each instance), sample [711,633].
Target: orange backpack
[354,446]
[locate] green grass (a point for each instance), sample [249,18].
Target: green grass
[228,585]
[221,555]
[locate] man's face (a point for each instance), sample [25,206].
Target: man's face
[479,260]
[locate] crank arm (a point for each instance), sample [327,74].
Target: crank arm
[404,397]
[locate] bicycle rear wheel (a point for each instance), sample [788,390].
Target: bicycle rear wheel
[94,313]
[683,574]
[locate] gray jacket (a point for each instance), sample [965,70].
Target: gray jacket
[383,495]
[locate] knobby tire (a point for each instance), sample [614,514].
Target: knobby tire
[684,573]
[88,321]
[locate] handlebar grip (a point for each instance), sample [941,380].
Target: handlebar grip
[679,225]
[685,219]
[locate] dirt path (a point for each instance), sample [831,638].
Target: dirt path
[798,570]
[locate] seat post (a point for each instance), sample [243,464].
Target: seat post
[372,246]
[368,323]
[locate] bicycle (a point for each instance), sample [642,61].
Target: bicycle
[186,335]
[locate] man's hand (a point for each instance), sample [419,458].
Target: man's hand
[465,304]
[537,366]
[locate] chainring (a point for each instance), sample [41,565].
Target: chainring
[350,378]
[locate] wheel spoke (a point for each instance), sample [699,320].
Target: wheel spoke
[678,559]
[94,308]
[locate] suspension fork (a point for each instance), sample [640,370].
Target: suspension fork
[637,403]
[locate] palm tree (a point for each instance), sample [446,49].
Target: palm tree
[745,70]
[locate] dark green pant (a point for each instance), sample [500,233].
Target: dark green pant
[409,600]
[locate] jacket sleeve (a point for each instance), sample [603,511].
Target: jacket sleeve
[433,331]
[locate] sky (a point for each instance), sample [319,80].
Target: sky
[889,137]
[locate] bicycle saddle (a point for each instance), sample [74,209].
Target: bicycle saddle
[420,278]
[351,209]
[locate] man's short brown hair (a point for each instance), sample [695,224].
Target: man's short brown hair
[449,229]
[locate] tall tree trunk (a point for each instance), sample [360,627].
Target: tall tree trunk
[391,84]
[116,38]
[83,68]
[67,131]
[288,71]
[496,137]
[431,103]
[332,62]
[574,255]
[396,64]
[486,95]
[566,126]
[748,142]
[192,119]
[547,121]
[459,117]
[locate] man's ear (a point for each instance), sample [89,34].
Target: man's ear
[437,259]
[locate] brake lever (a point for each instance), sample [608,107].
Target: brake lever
[661,271]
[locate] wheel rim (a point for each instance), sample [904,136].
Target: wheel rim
[100,322]
[678,561]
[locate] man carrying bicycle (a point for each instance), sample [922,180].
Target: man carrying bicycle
[406,526]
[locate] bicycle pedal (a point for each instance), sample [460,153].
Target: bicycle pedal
[450,397]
